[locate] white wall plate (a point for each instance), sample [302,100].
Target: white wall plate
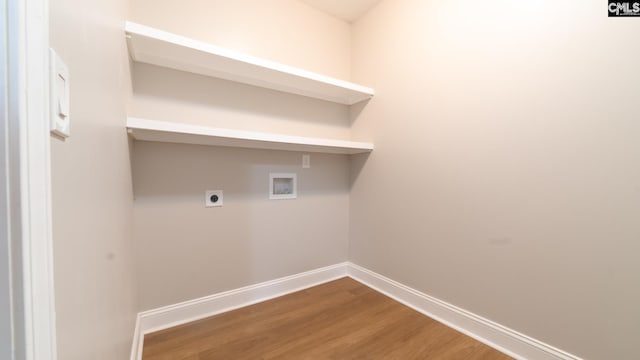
[213,198]
[59,95]
[283,186]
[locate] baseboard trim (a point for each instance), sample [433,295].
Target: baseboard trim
[192,310]
[486,331]
[138,340]
[499,337]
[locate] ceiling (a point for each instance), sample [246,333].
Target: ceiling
[347,10]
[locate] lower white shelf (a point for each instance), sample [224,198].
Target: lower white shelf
[164,131]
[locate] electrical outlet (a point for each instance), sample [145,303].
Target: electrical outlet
[306,161]
[213,198]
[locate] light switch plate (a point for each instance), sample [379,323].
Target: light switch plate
[59,95]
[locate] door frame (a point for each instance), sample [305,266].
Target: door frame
[26,282]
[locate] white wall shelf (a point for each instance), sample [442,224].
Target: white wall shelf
[163,131]
[153,46]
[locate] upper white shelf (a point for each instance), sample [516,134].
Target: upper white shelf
[153,46]
[163,131]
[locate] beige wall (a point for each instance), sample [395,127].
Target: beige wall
[92,192]
[171,95]
[504,179]
[185,250]
[286,31]
[506,138]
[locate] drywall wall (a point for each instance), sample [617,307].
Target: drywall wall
[286,31]
[507,150]
[92,191]
[185,251]
[171,95]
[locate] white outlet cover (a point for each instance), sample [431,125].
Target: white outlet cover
[209,194]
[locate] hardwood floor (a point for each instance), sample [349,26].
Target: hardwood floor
[342,319]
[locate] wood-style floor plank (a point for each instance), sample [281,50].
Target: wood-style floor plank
[342,319]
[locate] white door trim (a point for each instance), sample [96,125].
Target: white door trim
[6,312]
[27,187]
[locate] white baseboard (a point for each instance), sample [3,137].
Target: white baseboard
[499,337]
[138,340]
[184,312]
[495,335]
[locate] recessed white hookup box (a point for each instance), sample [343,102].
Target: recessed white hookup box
[282,186]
